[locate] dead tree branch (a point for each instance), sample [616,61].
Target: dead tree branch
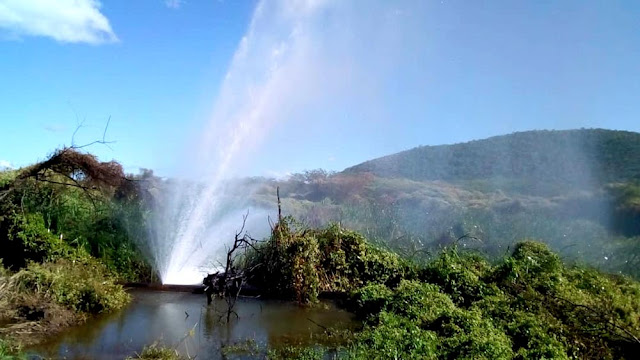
[229,283]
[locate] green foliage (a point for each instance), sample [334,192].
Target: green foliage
[248,347]
[296,352]
[459,275]
[532,265]
[10,351]
[419,320]
[458,305]
[83,286]
[420,302]
[29,239]
[371,299]
[43,221]
[533,338]
[286,265]
[395,337]
[7,177]
[530,305]
[300,263]
[576,190]
[540,161]
[157,352]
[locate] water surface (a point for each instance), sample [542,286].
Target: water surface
[182,320]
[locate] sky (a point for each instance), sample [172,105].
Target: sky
[268,88]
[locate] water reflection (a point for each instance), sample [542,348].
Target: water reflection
[184,321]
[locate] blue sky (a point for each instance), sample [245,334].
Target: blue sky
[266,88]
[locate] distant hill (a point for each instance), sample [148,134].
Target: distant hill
[536,161]
[577,190]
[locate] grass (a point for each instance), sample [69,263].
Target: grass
[157,352]
[10,350]
[248,347]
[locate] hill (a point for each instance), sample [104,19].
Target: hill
[576,190]
[534,161]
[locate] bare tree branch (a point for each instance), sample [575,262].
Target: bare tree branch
[102,142]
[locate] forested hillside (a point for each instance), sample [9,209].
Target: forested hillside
[533,161]
[576,190]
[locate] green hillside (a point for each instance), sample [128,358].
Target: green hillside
[575,190]
[535,161]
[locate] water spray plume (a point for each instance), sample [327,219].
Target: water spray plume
[296,57]
[199,220]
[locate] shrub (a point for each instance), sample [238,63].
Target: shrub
[467,334]
[29,239]
[424,303]
[370,299]
[418,320]
[459,275]
[395,337]
[533,338]
[46,217]
[296,352]
[83,286]
[528,306]
[531,266]
[300,263]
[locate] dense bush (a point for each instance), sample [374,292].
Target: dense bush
[52,215]
[47,297]
[419,320]
[29,239]
[575,190]
[300,263]
[530,305]
[458,305]
[82,285]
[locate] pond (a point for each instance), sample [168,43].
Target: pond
[184,321]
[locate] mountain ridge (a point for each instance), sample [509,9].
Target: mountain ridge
[582,158]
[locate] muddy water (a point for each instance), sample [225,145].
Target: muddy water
[183,321]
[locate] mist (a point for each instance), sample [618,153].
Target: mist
[313,84]
[296,59]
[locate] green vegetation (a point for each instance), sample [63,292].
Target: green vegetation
[574,190]
[67,234]
[301,263]
[443,276]
[534,161]
[296,352]
[157,352]
[72,203]
[459,305]
[249,347]
[81,286]
[10,351]
[46,297]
